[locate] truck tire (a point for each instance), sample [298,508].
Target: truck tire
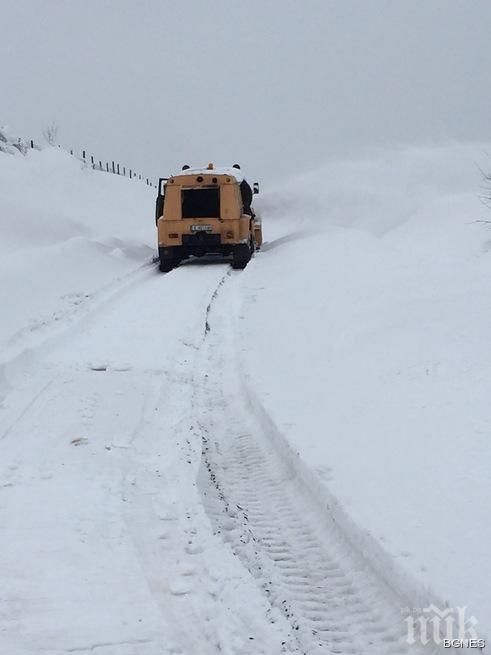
[169,258]
[167,264]
[241,256]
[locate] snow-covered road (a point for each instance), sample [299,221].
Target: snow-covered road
[112,501]
[110,550]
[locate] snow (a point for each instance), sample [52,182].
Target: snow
[66,233]
[113,549]
[106,545]
[11,145]
[373,295]
[218,170]
[266,461]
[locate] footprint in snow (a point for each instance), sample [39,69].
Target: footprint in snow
[121,367]
[98,367]
[179,587]
[79,441]
[194,548]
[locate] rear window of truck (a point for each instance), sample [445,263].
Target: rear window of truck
[200,203]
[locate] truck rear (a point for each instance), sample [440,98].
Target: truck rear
[206,211]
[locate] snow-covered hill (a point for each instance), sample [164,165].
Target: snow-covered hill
[66,233]
[151,497]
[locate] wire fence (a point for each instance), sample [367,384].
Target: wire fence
[112,167]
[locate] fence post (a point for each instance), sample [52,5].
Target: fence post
[71,152]
[32,143]
[124,171]
[83,155]
[130,174]
[107,167]
[117,166]
[100,165]
[113,166]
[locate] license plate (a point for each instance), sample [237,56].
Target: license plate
[201,228]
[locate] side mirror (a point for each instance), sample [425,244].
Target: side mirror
[159,208]
[162,182]
[159,205]
[255,187]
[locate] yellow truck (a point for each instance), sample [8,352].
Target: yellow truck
[205,211]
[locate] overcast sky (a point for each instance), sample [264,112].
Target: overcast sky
[271,84]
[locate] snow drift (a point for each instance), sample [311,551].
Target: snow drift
[66,232]
[9,144]
[373,291]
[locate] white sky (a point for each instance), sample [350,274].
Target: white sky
[270,84]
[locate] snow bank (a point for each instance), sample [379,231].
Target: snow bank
[66,232]
[365,331]
[11,145]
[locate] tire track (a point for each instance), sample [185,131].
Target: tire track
[257,504]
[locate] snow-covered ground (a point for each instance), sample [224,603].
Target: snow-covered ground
[151,497]
[66,233]
[106,546]
[365,335]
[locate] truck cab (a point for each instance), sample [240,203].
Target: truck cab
[206,211]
